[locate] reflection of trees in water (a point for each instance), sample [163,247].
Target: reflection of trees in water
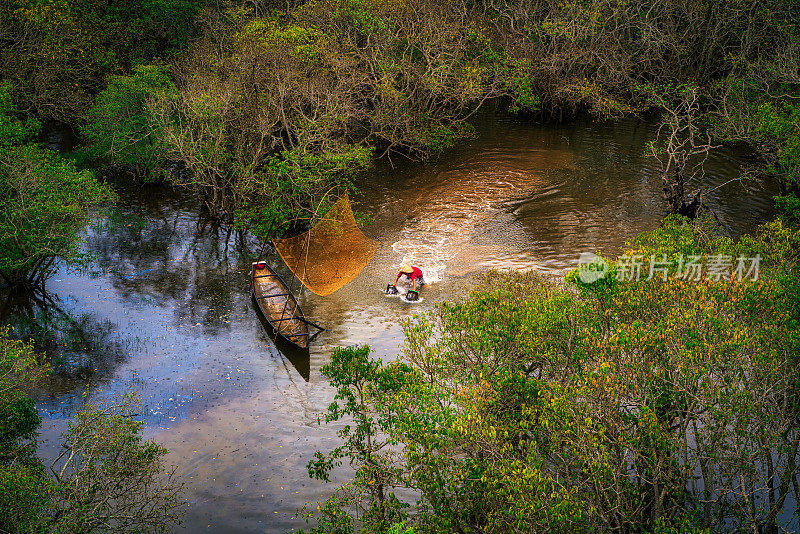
[219,260]
[155,252]
[137,256]
[79,347]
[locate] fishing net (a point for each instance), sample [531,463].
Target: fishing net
[331,253]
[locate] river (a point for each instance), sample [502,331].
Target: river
[164,308]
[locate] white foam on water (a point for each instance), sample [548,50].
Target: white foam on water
[429,246]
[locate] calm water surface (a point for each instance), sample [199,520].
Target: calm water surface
[165,309]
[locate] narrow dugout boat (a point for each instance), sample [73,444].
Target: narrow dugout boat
[326,257]
[278,305]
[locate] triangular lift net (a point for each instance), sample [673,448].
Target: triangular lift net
[331,253]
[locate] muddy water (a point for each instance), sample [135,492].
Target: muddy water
[164,309]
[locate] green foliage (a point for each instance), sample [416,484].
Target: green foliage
[19,420]
[45,202]
[12,130]
[58,54]
[24,496]
[295,185]
[789,207]
[303,43]
[521,87]
[778,122]
[23,484]
[120,130]
[330,517]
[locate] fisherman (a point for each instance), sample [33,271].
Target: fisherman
[409,271]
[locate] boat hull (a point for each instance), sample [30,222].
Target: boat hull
[278,306]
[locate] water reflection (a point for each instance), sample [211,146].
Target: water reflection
[83,348]
[167,257]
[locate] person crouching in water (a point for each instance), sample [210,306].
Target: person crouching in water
[411,272]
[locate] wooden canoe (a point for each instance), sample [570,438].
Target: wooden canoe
[278,305]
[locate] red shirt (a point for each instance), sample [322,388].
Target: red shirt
[415,273]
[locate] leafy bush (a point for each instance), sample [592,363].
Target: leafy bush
[23,483]
[120,130]
[12,130]
[45,201]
